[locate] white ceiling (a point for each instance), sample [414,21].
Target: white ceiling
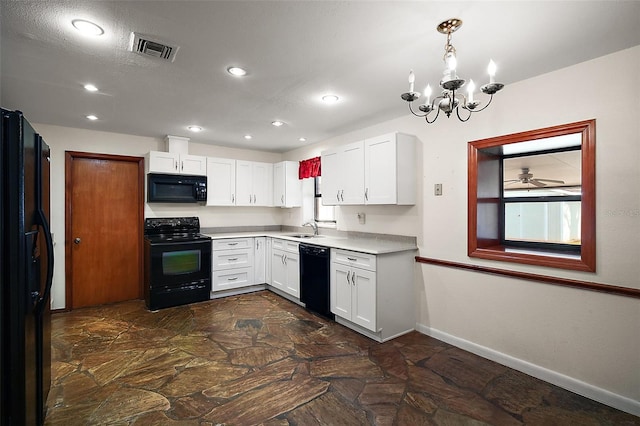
[295,51]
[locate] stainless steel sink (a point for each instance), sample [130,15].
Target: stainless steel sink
[304,236]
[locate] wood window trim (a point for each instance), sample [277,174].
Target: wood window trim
[483,242]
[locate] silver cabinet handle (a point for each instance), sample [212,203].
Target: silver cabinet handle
[232,244]
[249,198]
[232,279]
[182,165]
[342,195]
[233,198]
[283,259]
[353,278]
[232,259]
[338,195]
[353,259]
[348,274]
[77,240]
[282,199]
[254,198]
[366,194]
[176,165]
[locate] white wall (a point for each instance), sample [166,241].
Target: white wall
[62,139]
[583,340]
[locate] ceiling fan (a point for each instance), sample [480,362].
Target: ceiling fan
[526,177]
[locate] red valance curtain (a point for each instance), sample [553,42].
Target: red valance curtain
[309,168]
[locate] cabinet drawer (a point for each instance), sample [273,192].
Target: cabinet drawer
[233,278]
[229,259]
[286,245]
[355,259]
[232,243]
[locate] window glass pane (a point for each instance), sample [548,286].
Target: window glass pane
[326,214]
[543,222]
[542,174]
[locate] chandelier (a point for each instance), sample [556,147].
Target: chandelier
[451,98]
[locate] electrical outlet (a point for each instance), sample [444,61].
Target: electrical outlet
[362,218]
[437,189]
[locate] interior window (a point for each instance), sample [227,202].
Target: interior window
[532,197]
[541,199]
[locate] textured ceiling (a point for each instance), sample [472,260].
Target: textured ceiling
[295,52]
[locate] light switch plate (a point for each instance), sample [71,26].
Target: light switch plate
[437,189]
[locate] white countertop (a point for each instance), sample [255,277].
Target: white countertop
[363,245]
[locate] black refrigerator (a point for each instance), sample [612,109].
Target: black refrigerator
[26,272]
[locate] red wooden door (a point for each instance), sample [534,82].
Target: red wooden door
[104,220]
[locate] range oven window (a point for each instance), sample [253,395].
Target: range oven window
[180,262]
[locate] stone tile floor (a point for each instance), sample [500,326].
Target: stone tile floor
[260,359]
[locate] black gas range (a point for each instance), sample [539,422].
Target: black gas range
[177,262]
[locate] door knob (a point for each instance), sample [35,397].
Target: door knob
[76,240]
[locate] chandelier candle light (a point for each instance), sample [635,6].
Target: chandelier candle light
[449,100]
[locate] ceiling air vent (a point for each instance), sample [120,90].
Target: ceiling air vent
[146,45]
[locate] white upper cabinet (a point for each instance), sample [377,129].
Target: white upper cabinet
[193,165]
[287,189]
[389,169]
[254,183]
[173,163]
[343,175]
[378,170]
[221,181]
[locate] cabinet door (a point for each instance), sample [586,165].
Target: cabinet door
[262,177]
[363,304]
[221,182]
[380,170]
[278,184]
[268,260]
[341,291]
[244,183]
[193,165]
[352,166]
[330,178]
[292,184]
[292,263]
[278,269]
[259,260]
[163,162]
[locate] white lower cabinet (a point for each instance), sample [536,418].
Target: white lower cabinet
[260,260]
[267,256]
[233,263]
[373,294]
[285,266]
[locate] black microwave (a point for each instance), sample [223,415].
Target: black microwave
[162,188]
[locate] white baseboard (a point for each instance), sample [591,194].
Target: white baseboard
[581,388]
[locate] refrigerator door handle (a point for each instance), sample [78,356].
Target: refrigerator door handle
[49,242]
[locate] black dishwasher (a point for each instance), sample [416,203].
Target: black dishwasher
[314,279]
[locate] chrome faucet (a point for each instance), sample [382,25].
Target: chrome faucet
[313,225]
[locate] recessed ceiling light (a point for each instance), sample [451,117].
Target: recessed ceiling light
[302,139]
[277,123]
[195,128]
[330,99]
[248,137]
[90,88]
[237,71]
[87,27]
[92,117]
